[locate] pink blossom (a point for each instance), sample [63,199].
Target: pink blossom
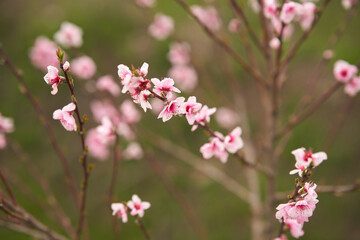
[347,4]
[309,190]
[328,54]
[184,76]
[295,228]
[137,206]
[143,100]
[191,107]
[255,6]
[214,148]
[145,3]
[83,67]
[104,109]
[164,87]
[52,78]
[172,108]
[227,118]
[207,16]
[97,147]
[282,237]
[203,116]
[343,71]
[308,15]
[274,43]
[234,25]
[157,106]
[304,157]
[129,112]
[120,210]
[107,83]
[6,124]
[124,130]
[65,117]
[106,131]
[301,211]
[233,141]
[282,213]
[69,35]
[289,11]
[66,66]
[133,151]
[162,26]
[179,53]
[352,87]
[143,71]
[125,75]
[270,8]
[43,53]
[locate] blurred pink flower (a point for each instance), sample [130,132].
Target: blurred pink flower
[234,25]
[43,53]
[308,15]
[270,8]
[208,16]
[214,148]
[145,3]
[289,11]
[343,71]
[353,86]
[107,83]
[6,126]
[129,112]
[133,151]
[274,43]
[83,67]
[162,26]
[296,229]
[65,117]
[227,118]
[106,131]
[347,4]
[52,78]
[179,53]
[233,141]
[184,76]
[137,206]
[104,109]
[69,35]
[120,210]
[97,148]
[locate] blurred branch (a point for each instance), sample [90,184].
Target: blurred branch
[252,71]
[115,170]
[23,229]
[34,102]
[176,194]
[7,187]
[297,119]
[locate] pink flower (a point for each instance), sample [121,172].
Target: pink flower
[282,212]
[104,109]
[124,130]
[143,100]
[207,16]
[137,206]
[234,25]
[304,157]
[164,87]
[308,15]
[97,148]
[179,53]
[162,26]
[233,141]
[184,76]
[289,11]
[274,43]
[157,106]
[191,107]
[214,148]
[145,3]
[43,53]
[309,190]
[125,75]
[129,112]
[270,8]
[133,151]
[301,211]
[53,78]
[107,83]
[66,66]
[227,118]
[343,71]
[295,228]
[83,67]
[120,210]
[352,87]
[69,35]
[106,131]
[347,4]
[6,124]
[203,116]
[172,108]
[65,117]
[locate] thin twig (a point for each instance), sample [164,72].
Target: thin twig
[115,170]
[7,187]
[142,227]
[34,102]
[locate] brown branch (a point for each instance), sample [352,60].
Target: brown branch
[142,227]
[115,170]
[24,89]
[176,194]
[297,119]
[252,71]
[7,187]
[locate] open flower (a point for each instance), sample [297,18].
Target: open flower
[125,75]
[308,15]
[352,87]
[215,148]
[233,141]
[164,87]
[172,108]
[203,116]
[137,206]
[120,210]
[83,67]
[43,53]
[97,147]
[69,35]
[65,117]
[162,26]
[191,107]
[343,71]
[179,53]
[289,11]
[296,229]
[107,83]
[52,78]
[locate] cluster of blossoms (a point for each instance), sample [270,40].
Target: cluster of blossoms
[346,73]
[6,126]
[303,202]
[43,53]
[135,205]
[183,74]
[141,90]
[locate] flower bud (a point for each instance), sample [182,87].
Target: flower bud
[66,66]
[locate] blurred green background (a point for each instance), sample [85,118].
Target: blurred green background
[116,32]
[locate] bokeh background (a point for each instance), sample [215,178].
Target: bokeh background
[116,32]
